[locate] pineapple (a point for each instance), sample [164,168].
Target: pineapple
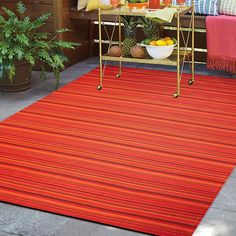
[130,29]
[151,29]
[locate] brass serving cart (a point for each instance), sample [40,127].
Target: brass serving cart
[178,58]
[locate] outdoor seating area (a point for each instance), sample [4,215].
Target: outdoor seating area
[117,118]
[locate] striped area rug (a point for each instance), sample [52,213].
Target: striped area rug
[130,155]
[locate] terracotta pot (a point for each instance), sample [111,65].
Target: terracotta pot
[21,81]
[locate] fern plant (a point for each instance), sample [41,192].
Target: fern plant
[20,40]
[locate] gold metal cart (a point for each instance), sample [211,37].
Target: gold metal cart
[178,58]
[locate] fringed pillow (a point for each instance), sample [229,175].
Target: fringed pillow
[203,7]
[227,7]
[94,4]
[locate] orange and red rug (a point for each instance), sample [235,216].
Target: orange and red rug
[130,155]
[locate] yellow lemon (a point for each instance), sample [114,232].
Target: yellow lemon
[152,43]
[161,42]
[170,42]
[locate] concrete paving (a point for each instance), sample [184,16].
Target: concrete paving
[220,219]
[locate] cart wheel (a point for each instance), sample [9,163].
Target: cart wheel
[118,75]
[176,95]
[190,82]
[99,87]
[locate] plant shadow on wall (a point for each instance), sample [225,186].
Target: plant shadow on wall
[23,45]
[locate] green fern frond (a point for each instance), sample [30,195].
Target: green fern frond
[9,12]
[11,72]
[26,23]
[45,56]
[7,33]
[30,58]
[41,20]
[41,35]
[63,30]
[64,44]
[23,39]
[2,20]
[20,8]
[58,61]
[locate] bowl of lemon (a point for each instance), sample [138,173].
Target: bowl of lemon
[161,48]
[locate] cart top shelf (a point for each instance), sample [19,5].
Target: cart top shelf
[182,10]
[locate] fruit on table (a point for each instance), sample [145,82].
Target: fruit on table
[170,42]
[167,38]
[130,29]
[174,40]
[152,43]
[147,41]
[115,51]
[137,52]
[161,42]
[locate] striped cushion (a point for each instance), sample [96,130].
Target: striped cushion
[227,7]
[203,7]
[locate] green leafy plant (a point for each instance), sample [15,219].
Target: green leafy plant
[21,40]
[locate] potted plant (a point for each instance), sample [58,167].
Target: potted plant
[22,46]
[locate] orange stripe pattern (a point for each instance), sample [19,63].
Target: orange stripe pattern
[129,156]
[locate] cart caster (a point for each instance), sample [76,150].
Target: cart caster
[99,87]
[118,76]
[176,95]
[190,82]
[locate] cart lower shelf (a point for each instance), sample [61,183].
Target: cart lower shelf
[172,60]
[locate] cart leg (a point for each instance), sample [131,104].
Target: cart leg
[190,82]
[120,64]
[99,87]
[178,56]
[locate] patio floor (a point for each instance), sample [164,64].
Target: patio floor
[220,219]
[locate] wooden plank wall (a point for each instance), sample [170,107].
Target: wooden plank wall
[80,29]
[34,10]
[60,18]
